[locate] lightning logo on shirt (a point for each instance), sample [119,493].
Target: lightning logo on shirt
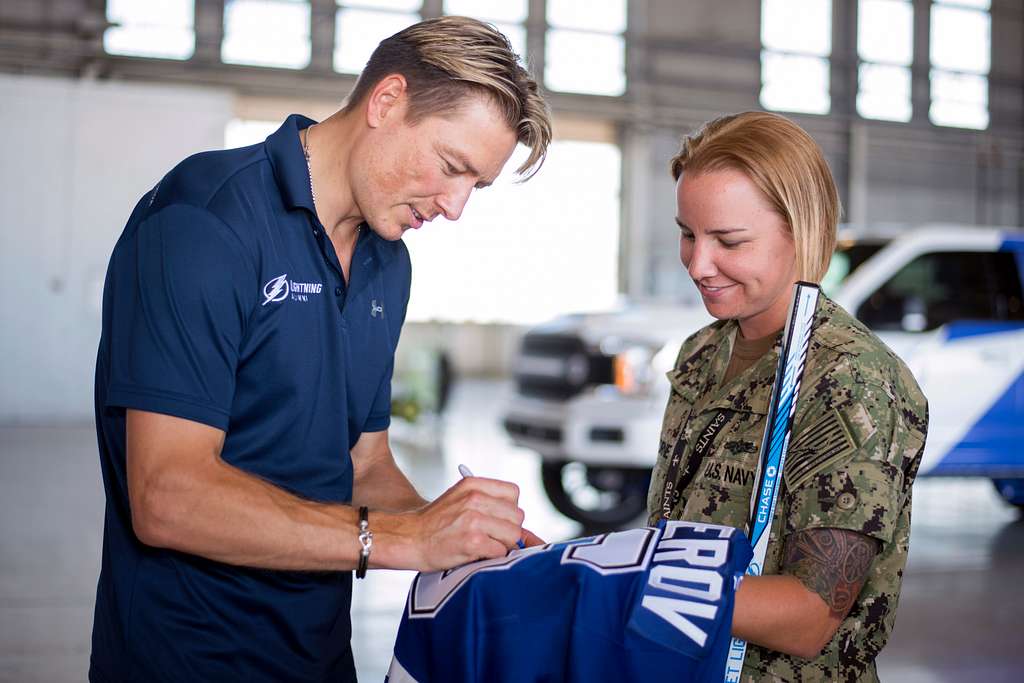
[276,289]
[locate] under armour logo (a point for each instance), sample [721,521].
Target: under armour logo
[376,308]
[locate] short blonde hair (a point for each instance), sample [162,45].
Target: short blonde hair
[445,59]
[786,165]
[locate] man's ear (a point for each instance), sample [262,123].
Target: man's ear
[387,100]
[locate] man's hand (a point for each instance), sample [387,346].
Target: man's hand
[475,519]
[531,539]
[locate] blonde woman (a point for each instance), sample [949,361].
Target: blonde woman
[757,210]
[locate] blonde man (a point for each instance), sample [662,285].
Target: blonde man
[251,311]
[757,211]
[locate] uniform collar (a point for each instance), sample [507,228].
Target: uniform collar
[709,363]
[750,391]
[746,391]
[284,149]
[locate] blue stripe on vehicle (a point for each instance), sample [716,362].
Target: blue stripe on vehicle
[1016,245]
[1012,244]
[1012,490]
[994,446]
[975,328]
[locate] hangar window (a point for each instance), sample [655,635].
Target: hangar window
[360,25]
[585,51]
[151,29]
[245,132]
[266,33]
[508,16]
[961,36]
[524,253]
[796,37]
[885,46]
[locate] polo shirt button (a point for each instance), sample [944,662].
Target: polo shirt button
[316,233]
[337,291]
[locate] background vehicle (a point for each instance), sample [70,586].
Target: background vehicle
[591,389]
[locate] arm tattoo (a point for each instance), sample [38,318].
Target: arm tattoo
[831,562]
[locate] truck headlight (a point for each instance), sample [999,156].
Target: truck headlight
[632,370]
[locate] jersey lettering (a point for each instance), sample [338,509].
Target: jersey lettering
[696,551]
[707,583]
[714,530]
[672,611]
[700,580]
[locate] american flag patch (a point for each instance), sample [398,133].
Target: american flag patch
[817,446]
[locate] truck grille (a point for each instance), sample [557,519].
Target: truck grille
[532,431]
[557,367]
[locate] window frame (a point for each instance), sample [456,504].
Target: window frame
[365,6]
[297,66]
[116,27]
[940,73]
[770,54]
[865,64]
[553,29]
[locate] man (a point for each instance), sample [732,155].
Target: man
[251,311]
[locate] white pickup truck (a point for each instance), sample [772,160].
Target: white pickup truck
[948,299]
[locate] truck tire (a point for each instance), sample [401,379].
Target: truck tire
[598,497]
[1011,490]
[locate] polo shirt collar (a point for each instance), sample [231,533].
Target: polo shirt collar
[284,149]
[383,250]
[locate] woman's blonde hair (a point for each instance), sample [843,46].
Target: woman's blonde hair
[786,165]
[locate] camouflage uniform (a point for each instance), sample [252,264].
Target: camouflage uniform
[856,445]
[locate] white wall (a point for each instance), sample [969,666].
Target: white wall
[76,156]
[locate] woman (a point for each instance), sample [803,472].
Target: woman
[757,210]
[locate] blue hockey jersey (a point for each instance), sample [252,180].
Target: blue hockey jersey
[641,604]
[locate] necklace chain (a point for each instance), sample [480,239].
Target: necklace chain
[309,167]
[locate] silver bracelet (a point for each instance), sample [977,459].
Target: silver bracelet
[365,540]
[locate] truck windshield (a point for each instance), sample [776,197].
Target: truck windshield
[847,258]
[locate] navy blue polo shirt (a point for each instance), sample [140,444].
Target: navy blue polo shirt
[224,303]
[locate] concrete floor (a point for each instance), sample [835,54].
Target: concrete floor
[959,619]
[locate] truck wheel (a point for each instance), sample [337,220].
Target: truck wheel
[1011,490]
[597,497]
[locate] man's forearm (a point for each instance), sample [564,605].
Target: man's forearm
[184,496]
[230,516]
[382,486]
[377,482]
